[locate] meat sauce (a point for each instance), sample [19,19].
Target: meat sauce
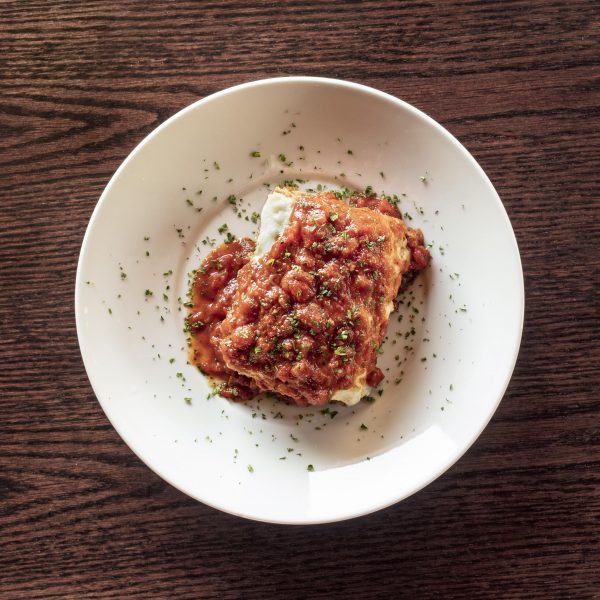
[212,290]
[306,319]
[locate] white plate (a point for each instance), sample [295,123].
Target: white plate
[253,459]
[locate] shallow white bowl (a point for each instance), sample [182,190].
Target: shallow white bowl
[447,364]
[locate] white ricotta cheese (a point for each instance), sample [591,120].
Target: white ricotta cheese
[274,218]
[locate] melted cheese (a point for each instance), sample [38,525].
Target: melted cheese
[352,395]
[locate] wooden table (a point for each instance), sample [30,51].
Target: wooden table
[83,82]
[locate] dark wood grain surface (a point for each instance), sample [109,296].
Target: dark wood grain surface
[81,83]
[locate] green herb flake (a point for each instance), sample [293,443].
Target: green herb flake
[148,293]
[255,154]
[310,468]
[250,469]
[363,427]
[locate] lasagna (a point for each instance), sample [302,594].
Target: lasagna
[303,311]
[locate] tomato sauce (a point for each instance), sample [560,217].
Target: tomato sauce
[212,289]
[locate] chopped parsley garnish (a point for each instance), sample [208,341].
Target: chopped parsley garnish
[282,158]
[333,217]
[148,293]
[250,469]
[310,468]
[254,218]
[255,154]
[223,228]
[324,292]
[196,326]
[328,411]
[363,427]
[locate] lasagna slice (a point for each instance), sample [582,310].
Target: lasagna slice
[310,307]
